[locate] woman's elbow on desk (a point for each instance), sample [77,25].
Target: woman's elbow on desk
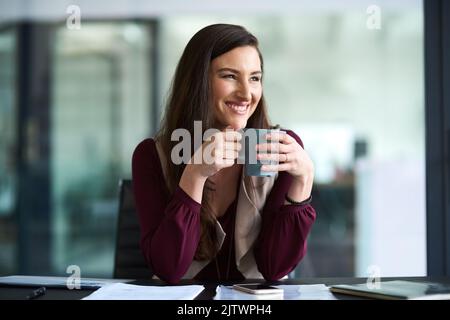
[162,270]
[273,276]
[169,275]
[169,278]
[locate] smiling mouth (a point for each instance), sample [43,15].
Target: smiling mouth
[238,108]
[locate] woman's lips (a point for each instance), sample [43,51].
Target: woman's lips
[238,108]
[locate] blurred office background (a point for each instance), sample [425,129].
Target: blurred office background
[75,102]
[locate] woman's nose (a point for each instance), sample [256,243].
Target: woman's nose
[244,91]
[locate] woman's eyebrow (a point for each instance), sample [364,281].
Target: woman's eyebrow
[237,71]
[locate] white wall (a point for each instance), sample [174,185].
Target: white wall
[390,221]
[56,9]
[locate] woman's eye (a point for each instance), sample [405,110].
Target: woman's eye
[230,76]
[257,79]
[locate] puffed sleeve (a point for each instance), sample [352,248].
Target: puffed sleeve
[170,224]
[284,231]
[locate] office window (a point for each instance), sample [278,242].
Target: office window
[101,109]
[8,183]
[355,96]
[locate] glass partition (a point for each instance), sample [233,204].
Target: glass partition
[101,109]
[353,91]
[8,135]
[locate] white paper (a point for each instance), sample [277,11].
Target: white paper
[228,293]
[290,292]
[307,292]
[122,291]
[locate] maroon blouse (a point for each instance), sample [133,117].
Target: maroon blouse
[170,226]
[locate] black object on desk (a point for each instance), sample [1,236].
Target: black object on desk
[36,293]
[397,289]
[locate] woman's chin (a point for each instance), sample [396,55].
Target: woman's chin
[237,125]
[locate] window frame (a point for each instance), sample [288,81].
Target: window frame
[437,118]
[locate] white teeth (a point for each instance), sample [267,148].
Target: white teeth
[238,109]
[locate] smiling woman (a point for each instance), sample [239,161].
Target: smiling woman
[236,86]
[209,221]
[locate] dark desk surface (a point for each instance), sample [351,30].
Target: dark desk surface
[20,293]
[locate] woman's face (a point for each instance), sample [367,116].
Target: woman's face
[236,86]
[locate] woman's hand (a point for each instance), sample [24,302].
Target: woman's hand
[290,155]
[218,152]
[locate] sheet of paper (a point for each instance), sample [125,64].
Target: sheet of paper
[122,291]
[57,281]
[307,292]
[290,292]
[228,293]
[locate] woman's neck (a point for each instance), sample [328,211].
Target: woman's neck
[225,172]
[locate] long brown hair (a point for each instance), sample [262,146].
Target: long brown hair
[189,100]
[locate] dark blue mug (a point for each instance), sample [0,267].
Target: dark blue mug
[247,155]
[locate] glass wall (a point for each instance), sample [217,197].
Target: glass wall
[355,96]
[8,134]
[101,110]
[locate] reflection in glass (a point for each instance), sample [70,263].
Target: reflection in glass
[100,111]
[8,183]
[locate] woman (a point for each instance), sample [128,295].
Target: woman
[208,221]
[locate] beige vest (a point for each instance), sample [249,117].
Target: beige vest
[252,196]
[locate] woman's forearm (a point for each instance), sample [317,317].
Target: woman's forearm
[192,183]
[300,188]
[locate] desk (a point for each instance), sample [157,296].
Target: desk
[20,293]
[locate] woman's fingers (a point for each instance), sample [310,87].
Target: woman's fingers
[227,162]
[279,157]
[274,147]
[228,151]
[280,136]
[277,167]
[230,154]
[232,146]
[232,136]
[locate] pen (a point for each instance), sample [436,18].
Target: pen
[36,293]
